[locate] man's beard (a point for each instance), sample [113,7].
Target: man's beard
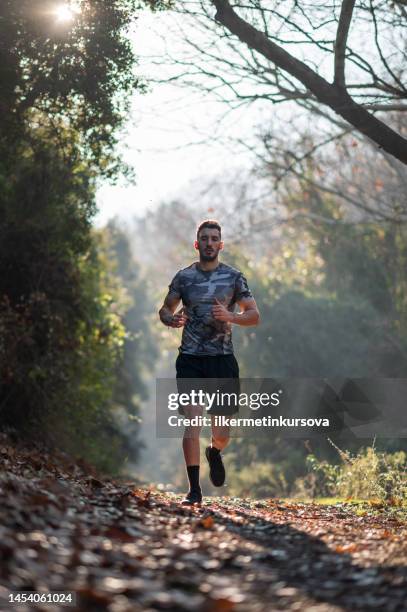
[208,256]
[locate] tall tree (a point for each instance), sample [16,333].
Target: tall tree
[66,73]
[74,67]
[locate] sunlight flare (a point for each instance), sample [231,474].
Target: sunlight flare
[66,12]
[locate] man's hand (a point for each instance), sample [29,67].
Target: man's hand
[179,319]
[221,313]
[167,313]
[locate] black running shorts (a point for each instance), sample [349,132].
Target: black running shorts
[214,374]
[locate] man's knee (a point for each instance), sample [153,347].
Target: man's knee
[220,440]
[192,431]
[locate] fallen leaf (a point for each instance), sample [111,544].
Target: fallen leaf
[346,548]
[222,605]
[207,522]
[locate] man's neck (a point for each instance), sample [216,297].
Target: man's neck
[208,266]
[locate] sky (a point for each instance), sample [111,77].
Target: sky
[173,137]
[170,135]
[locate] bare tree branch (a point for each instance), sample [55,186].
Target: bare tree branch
[341,41]
[337,98]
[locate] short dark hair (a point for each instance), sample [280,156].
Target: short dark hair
[211,224]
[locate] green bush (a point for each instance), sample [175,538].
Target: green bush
[369,474]
[60,313]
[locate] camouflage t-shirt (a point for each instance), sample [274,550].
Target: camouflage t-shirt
[202,334]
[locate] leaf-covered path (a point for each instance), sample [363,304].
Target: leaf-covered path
[120,548]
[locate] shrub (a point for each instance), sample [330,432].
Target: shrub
[369,474]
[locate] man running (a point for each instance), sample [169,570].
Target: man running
[209,290]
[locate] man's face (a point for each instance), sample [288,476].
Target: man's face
[208,244]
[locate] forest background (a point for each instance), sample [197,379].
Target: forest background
[316,221]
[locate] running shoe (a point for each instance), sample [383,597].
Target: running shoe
[216,467]
[192,498]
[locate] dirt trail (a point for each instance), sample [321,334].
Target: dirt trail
[120,548]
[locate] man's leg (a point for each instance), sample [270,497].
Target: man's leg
[224,369]
[191,448]
[190,441]
[220,439]
[220,435]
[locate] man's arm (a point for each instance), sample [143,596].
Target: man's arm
[166,312]
[248,315]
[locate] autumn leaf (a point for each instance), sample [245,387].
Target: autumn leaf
[222,605]
[346,548]
[207,522]
[395,501]
[375,503]
[118,534]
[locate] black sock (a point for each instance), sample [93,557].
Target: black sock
[193,477]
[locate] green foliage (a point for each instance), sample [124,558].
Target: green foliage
[257,480]
[78,72]
[139,348]
[60,321]
[65,91]
[368,474]
[332,300]
[264,467]
[317,336]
